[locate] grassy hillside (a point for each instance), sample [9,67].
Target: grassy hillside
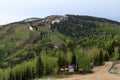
[13,37]
[78,40]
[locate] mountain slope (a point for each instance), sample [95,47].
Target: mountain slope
[56,40]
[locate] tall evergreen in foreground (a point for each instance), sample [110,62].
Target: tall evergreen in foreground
[39,68]
[101,59]
[106,58]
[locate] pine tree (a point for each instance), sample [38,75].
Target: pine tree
[73,59]
[106,58]
[39,68]
[101,59]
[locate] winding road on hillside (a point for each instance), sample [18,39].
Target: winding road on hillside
[100,73]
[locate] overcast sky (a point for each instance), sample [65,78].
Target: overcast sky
[15,10]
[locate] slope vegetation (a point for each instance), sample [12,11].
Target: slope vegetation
[55,42]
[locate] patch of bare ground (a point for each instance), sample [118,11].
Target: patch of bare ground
[116,68]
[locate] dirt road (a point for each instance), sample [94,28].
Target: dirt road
[100,73]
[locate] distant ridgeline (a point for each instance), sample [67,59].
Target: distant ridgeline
[77,26]
[37,47]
